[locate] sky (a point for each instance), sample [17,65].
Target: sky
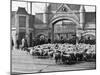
[40,7]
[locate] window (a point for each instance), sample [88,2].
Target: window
[22,21]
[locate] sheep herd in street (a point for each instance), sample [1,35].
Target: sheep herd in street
[64,53]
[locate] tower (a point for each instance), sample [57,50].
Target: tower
[82,16]
[22,24]
[46,13]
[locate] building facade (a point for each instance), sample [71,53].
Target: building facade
[57,21]
[22,25]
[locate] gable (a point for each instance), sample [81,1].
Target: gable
[63,8]
[59,7]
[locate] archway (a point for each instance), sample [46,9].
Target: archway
[90,36]
[40,36]
[68,26]
[89,33]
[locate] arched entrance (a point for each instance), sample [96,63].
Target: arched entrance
[68,28]
[42,36]
[89,36]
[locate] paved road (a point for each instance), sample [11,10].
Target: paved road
[22,62]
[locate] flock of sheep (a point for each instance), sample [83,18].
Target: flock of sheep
[64,53]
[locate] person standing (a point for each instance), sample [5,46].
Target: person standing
[17,42]
[49,40]
[12,44]
[26,43]
[23,42]
[62,40]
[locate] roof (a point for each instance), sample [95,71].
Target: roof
[31,19]
[73,6]
[55,6]
[21,10]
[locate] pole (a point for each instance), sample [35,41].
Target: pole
[31,8]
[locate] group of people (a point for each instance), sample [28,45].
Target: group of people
[19,44]
[23,43]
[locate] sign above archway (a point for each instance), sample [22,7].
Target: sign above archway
[64,26]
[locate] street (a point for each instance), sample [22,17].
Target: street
[23,62]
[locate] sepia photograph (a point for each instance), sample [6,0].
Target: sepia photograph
[52,37]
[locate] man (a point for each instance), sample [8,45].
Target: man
[26,43]
[62,40]
[12,44]
[23,42]
[49,40]
[17,42]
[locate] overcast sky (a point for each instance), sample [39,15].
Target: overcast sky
[40,7]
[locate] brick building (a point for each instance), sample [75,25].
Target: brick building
[57,20]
